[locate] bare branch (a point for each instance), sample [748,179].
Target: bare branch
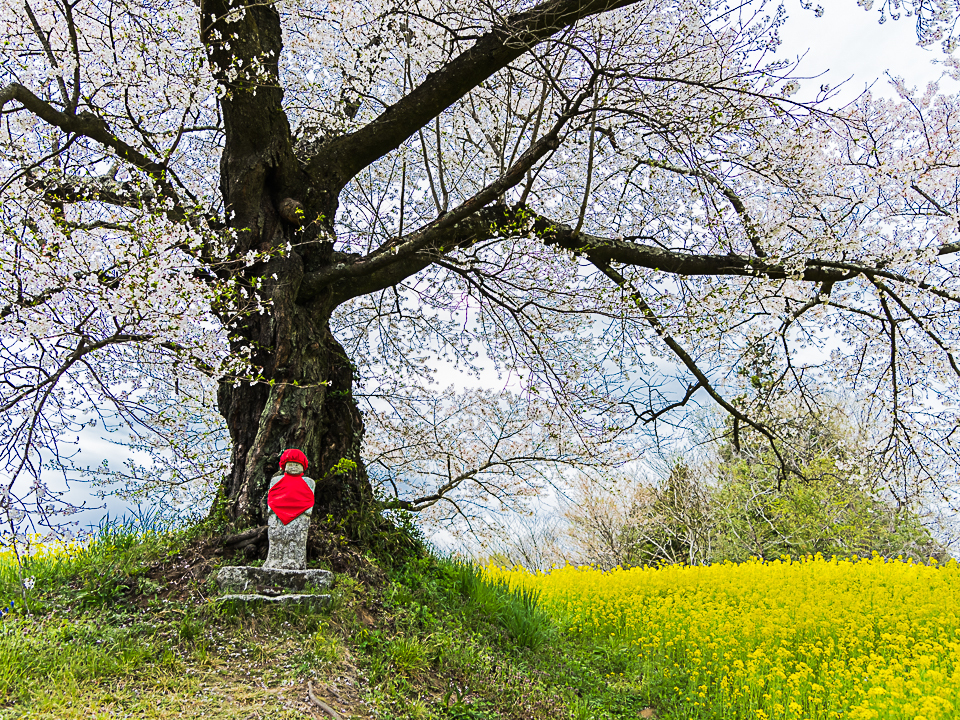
[492,52]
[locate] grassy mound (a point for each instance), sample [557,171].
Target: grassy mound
[129,626]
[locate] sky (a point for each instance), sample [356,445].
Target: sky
[849,42]
[846,45]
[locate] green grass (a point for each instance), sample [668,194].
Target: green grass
[517,611]
[110,565]
[130,627]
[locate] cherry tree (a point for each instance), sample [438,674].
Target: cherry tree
[314,205]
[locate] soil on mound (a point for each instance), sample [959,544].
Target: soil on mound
[186,574]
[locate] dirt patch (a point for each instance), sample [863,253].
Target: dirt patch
[334,552]
[182,576]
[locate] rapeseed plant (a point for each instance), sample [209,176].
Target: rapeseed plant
[38,546]
[808,639]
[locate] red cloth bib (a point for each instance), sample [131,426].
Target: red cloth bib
[290,497]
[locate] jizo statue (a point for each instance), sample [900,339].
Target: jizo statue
[290,505]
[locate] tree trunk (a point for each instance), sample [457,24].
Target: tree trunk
[274,207]
[304,396]
[310,406]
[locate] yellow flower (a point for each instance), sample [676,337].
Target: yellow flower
[812,639]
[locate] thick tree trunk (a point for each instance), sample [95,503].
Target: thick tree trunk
[303,397]
[310,406]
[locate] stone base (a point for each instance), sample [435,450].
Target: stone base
[296,599]
[243,578]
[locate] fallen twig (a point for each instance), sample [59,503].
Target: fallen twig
[321,704]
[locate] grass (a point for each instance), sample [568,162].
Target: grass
[94,573]
[128,626]
[516,610]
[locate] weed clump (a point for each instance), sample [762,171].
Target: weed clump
[517,610]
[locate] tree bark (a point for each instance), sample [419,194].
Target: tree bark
[303,397]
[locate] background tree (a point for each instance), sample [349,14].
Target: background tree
[576,188]
[834,498]
[536,541]
[731,503]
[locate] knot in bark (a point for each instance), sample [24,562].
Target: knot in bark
[292,211]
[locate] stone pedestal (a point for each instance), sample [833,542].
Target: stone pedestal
[244,578]
[292,599]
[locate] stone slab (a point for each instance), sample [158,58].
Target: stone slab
[243,577]
[294,599]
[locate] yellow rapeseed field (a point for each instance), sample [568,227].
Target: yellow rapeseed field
[37,546]
[783,640]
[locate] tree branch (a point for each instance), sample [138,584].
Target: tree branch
[91,126]
[883,288]
[398,259]
[684,357]
[60,188]
[492,52]
[601,251]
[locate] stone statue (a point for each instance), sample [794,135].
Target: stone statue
[289,507]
